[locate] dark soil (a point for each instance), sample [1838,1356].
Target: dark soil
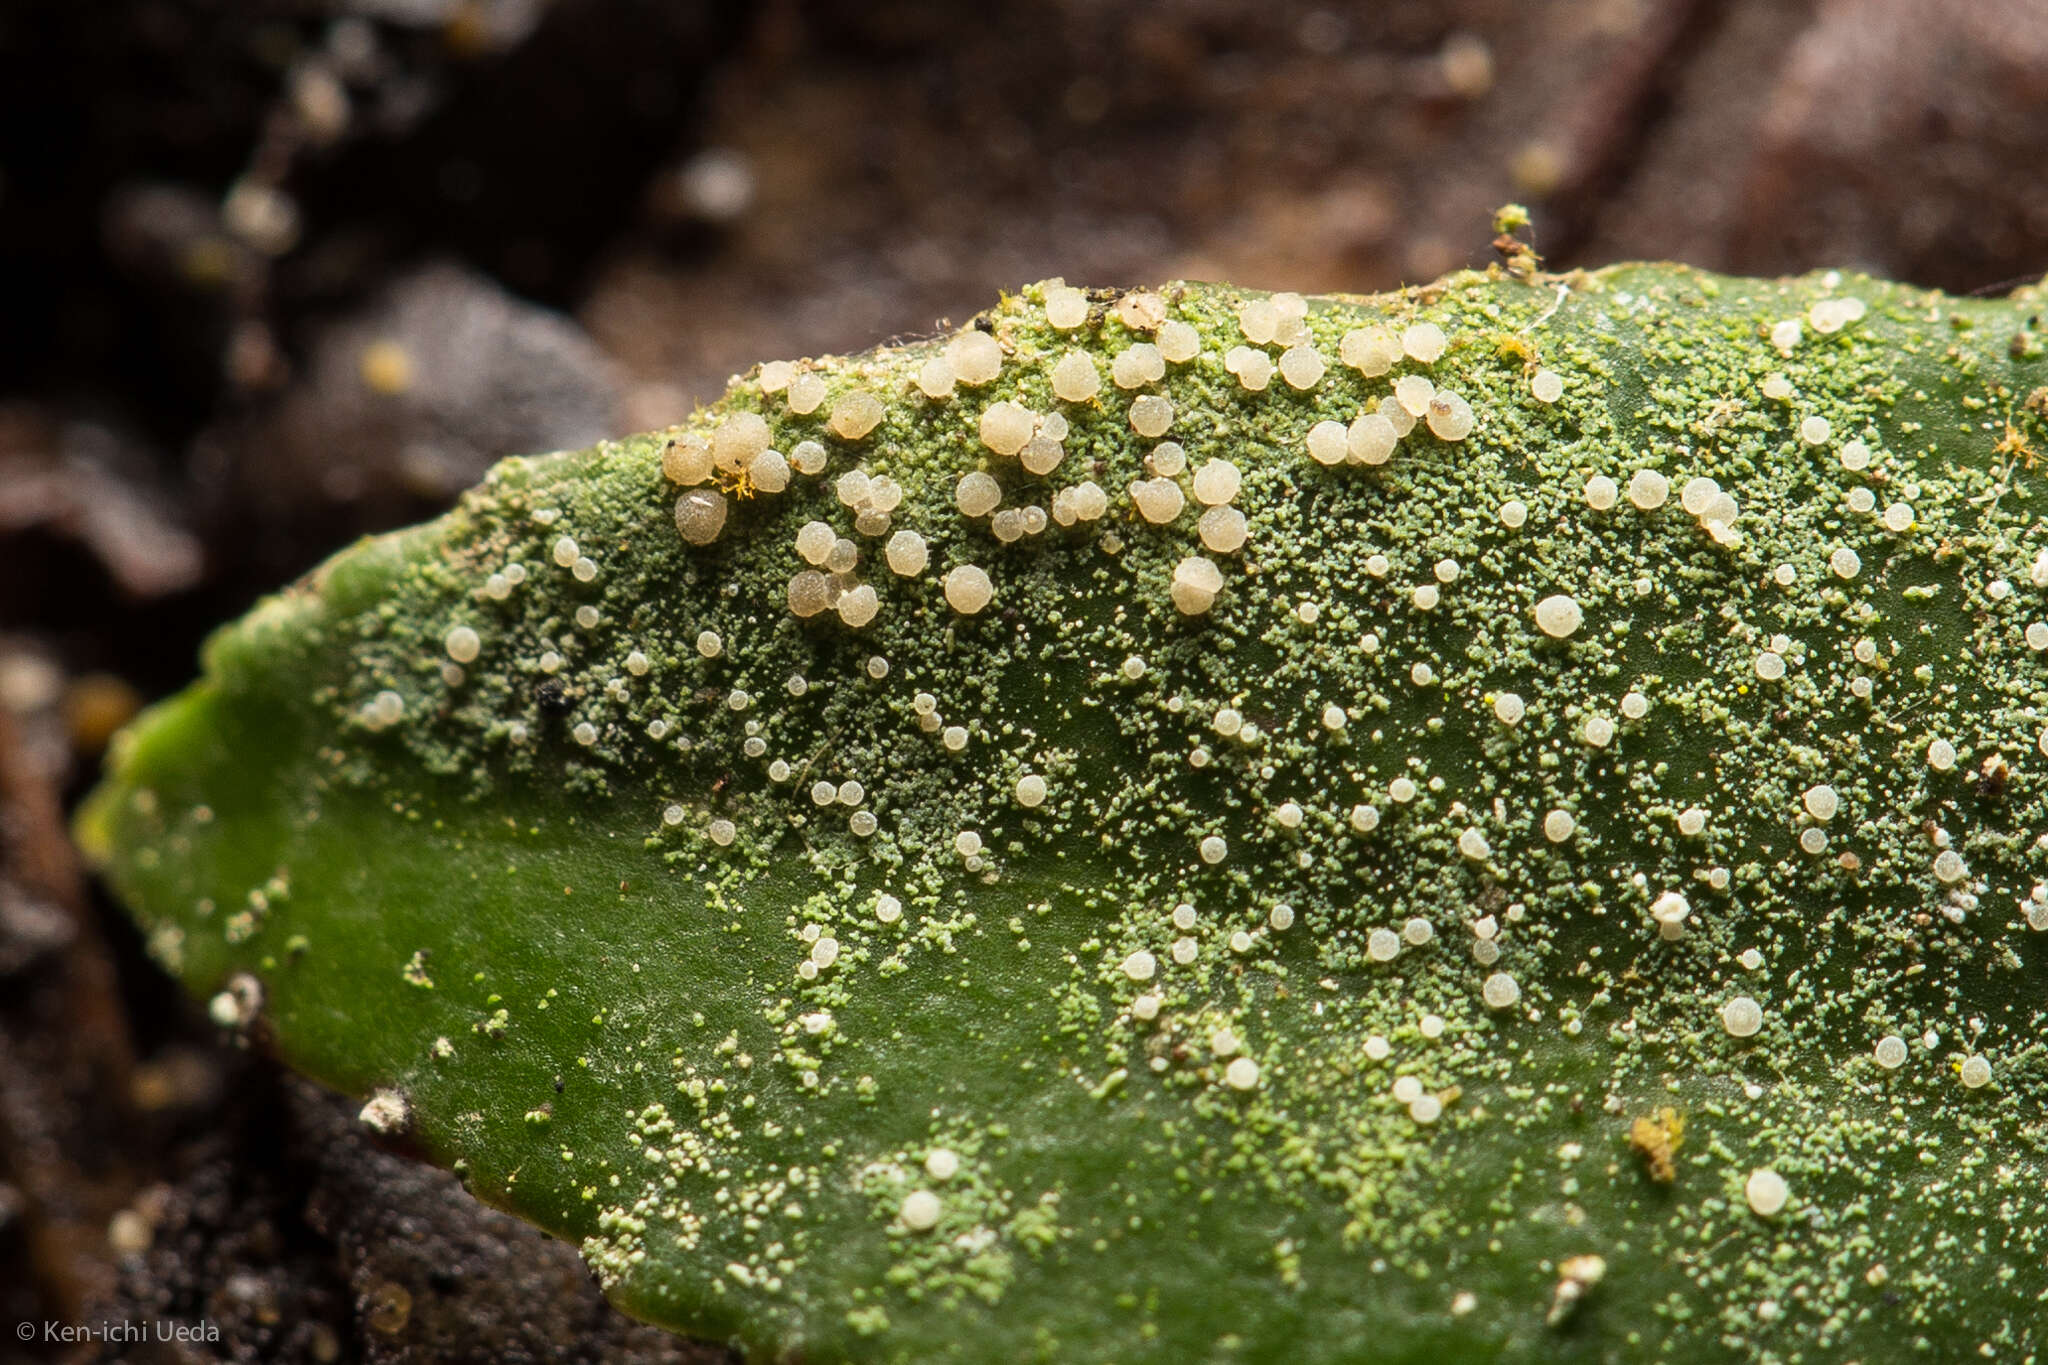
[279,272]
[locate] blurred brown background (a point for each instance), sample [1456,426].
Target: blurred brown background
[275,273]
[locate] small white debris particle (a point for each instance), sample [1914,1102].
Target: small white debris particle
[1576,1276]
[1671,908]
[387,1112]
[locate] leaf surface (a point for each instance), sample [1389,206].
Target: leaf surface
[1370,981]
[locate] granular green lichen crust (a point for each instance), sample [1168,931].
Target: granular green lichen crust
[1193,824]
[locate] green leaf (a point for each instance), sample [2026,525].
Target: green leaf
[1368,981]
